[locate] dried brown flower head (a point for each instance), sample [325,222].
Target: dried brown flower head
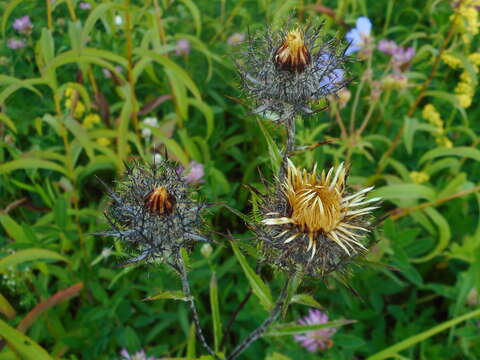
[285,71]
[293,55]
[160,201]
[313,222]
[154,213]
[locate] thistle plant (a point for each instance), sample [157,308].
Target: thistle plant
[285,71]
[311,223]
[152,211]
[308,223]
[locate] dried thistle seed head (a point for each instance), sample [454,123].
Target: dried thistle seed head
[160,201]
[283,72]
[293,55]
[154,212]
[310,222]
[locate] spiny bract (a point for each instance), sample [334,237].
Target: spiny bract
[153,212]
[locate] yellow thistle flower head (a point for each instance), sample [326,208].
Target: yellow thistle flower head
[316,223]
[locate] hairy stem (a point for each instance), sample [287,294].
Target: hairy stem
[191,301]
[255,334]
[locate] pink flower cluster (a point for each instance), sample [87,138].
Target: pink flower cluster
[316,339]
[24,27]
[401,56]
[193,174]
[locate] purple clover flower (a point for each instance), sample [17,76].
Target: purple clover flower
[316,339]
[23,25]
[401,56]
[194,173]
[140,355]
[85,6]
[15,44]
[182,47]
[359,36]
[387,46]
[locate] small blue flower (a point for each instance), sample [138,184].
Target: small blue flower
[359,35]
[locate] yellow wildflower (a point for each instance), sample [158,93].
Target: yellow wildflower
[464,92]
[103,141]
[451,60]
[444,141]
[467,23]
[474,58]
[466,78]
[464,100]
[90,120]
[79,109]
[430,114]
[69,92]
[419,177]
[470,17]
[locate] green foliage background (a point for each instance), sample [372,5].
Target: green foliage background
[417,300]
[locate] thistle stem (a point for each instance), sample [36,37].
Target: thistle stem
[290,146]
[191,301]
[255,334]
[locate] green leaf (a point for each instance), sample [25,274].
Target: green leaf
[180,73]
[453,186]
[191,342]
[189,145]
[31,163]
[294,328]
[404,191]
[215,309]
[73,56]
[171,145]
[13,84]
[277,356]
[29,255]
[47,45]
[96,14]
[409,133]
[207,112]
[195,14]
[275,156]
[22,344]
[260,289]
[5,308]
[4,118]
[60,211]
[13,230]
[464,151]
[104,54]
[80,134]
[405,344]
[444,235]
[172,295]
[306,299]
[125,115]
[6,13]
